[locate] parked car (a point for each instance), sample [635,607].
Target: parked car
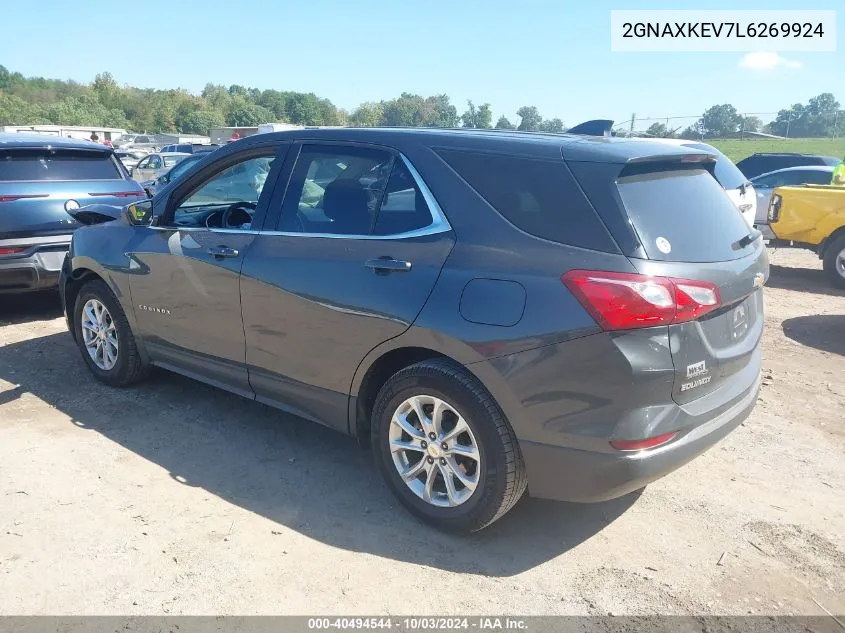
[130,157]
[152,186]
[137,141]
[42,177]
[155,165]
[813,217]
[764,162]
[579,316]
[764,184]
[189,148]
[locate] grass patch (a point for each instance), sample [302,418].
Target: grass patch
[737,149]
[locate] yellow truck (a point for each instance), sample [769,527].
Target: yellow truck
[812,216]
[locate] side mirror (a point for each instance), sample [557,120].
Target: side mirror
[139,213]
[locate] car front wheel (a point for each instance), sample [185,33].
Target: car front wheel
[445,448]
[104,336]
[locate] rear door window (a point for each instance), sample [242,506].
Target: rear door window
[540,197]
[64,165]
[682,215]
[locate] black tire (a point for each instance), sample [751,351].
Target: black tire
[831,252]
[502,480]
[129,368]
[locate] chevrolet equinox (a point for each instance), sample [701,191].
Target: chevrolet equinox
[491,311]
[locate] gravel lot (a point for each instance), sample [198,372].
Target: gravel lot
[174,498]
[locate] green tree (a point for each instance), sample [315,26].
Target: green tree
[480,117]
[551,125]
[504,124]
[16,111]
[303,109]
[367,114]
[249,115]
[274,101]
[530,118]
[659,130]
[751,124]
[107,90]
[720,121]
[200,121]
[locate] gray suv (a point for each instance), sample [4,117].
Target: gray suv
[490,311]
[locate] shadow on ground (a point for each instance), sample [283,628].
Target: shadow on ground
[821,331]
[296,473]
[29,306]
[802,280]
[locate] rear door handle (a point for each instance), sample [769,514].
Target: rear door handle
[388,264]
[221,252]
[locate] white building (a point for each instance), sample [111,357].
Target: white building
[72,131]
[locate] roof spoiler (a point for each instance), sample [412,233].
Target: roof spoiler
[596,127]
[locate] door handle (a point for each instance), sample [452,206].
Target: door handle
[221,252]
[388,265]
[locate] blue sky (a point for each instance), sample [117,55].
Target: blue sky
[544,53]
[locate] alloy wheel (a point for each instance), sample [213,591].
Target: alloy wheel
[99,334]
[434,451]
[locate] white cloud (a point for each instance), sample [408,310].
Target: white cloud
[763,60]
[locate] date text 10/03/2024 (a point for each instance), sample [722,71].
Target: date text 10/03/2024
[420,623]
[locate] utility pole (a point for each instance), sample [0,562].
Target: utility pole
[633,118]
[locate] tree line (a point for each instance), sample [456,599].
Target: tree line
[36,100]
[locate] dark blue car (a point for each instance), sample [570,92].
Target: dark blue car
[41,179]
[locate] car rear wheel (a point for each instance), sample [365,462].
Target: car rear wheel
[445,448]
[105,338]
[834,262]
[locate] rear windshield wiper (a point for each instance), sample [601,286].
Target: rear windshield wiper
[748,239]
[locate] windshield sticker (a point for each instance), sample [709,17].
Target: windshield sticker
[663,245]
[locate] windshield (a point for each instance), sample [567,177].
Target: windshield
[728,174]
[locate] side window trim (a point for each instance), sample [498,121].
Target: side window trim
[439,223]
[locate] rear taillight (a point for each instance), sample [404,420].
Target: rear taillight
[120,194]
[641,445]
[774,208]
[22,197]
[11,250]
[625,301]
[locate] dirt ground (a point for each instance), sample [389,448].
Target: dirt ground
[175,498]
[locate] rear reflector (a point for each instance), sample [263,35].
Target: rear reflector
[11,250]
[22,196]
[121,194]
[641,445]
[625,301]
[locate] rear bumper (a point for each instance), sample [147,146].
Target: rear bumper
[566,402]
[36,268]
[568,474]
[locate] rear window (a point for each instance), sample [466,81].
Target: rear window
[40,164]
[538,196]
[728,174]
[683,215]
